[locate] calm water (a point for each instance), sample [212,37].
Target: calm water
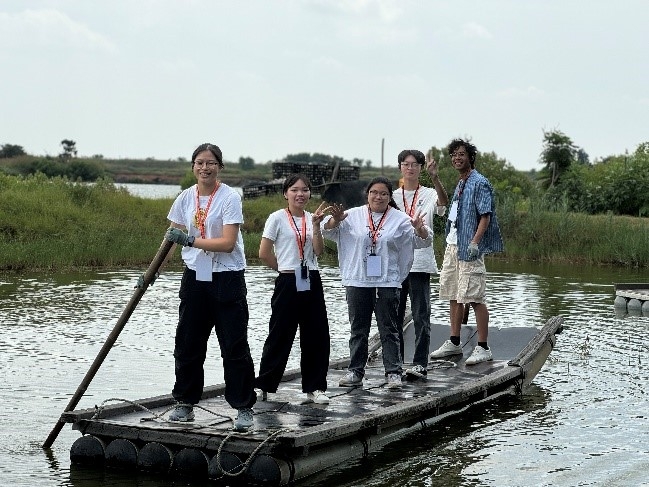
[157,191]
[585,421]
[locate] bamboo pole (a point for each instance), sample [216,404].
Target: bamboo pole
[149,276]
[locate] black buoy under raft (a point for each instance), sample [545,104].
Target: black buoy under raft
[121,453]
[155,457]
[88,450]
[190,462]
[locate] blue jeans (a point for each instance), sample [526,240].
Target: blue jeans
[384,303]
[417,286]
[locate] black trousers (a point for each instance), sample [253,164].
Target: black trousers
[219,305]
[291,309]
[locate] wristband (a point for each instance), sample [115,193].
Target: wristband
[190,241]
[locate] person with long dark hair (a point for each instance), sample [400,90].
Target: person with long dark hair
[205,220]
[290,245]
[375,252]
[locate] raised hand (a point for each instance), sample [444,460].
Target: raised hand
[338,212]
[418,221]
[319,213]
[431,165]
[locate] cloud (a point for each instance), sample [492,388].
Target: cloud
[49,28]
[529,92]
[469,30]
[473,30]
[385,10]
[365,22]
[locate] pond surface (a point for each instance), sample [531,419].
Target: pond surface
[584,422]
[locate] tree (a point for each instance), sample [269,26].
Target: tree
[559,152]
[246,162]
[69,149]
[11,150]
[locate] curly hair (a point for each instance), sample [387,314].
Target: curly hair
[471,149]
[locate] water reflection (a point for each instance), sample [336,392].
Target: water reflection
[584,420]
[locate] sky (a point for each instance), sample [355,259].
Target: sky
[267,78]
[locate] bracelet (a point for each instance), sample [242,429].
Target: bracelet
[190,241]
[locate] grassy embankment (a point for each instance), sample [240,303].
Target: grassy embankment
[54,225]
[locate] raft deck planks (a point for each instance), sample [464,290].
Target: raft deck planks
[308,437]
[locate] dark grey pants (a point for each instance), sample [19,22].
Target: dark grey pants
[384,303]
[417,286]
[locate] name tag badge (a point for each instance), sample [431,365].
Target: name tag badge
[373,266]
[301,283]
[452,214]
[203,266]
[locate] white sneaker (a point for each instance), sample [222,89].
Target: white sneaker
[447,349]
[394,381]
[316,397]
[479,355]
[351,379]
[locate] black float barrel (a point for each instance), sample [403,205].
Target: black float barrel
[88,450]
[155,457]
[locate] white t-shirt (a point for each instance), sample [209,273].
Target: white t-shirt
[225,209]
[424,260]
[395,245]
[281,231]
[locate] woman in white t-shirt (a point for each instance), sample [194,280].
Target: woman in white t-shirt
[212,289]
[290,245]
[375,252]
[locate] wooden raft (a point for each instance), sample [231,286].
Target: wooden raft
[290,440]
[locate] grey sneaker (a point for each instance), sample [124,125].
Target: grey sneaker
[394,381]
[244,420]
[417,371]
[479,355]
[316,397]
[182,414]
[446,350]
[351,379]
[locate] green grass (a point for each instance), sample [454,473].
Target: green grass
[53,224]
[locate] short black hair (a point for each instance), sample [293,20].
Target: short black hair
[417,154]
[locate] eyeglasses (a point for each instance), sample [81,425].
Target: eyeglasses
[201,163]
[458,154]
[382,194]
[409,164]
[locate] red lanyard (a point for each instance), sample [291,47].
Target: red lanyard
[374,229]
[410,211]
[300,237]
[201,215]
[462,184]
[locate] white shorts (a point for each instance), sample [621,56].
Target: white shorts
[462,281]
